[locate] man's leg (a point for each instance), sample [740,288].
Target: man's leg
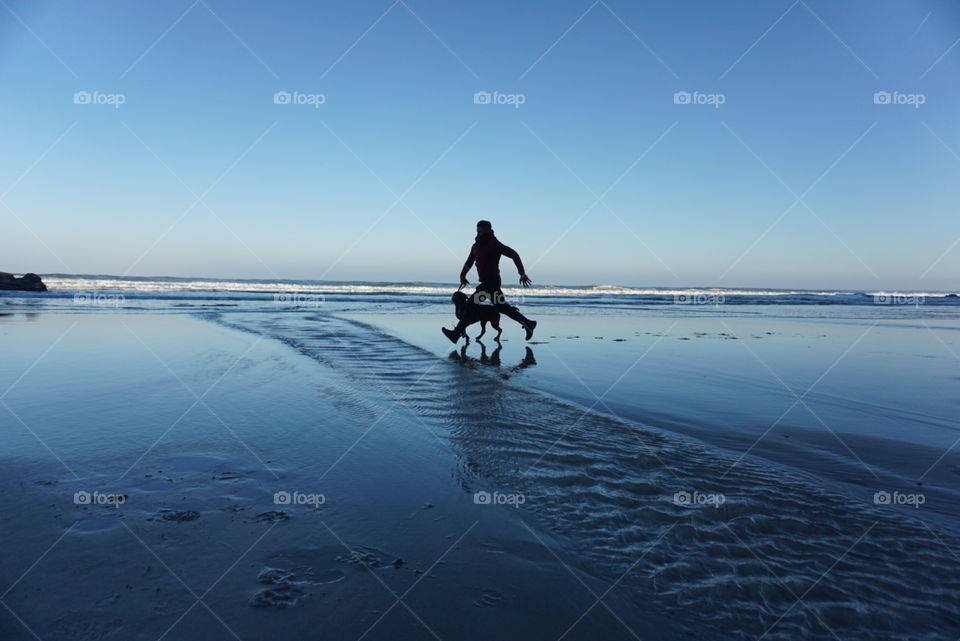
[512,312]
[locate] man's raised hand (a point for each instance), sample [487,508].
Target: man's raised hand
[525,280]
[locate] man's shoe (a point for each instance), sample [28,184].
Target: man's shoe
[451,334]
[532,326]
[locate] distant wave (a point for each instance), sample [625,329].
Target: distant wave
[170,285]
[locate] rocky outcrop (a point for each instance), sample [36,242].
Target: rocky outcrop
[26,283]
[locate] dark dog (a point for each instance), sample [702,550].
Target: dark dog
[483,313]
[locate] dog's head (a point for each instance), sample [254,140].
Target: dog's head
[459,299]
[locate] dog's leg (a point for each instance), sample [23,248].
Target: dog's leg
[483,328]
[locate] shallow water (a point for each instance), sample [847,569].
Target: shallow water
[862,403]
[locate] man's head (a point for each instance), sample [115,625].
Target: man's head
[484,227]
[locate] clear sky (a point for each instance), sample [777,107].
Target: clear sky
[798,179]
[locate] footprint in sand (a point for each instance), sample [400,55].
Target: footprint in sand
[289,584]
[273,516]
[227,476]
[282,596]
[489,599]
[176,516]
[362,558]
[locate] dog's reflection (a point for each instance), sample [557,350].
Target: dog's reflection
[493,359]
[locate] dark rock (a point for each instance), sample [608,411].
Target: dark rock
[26,283]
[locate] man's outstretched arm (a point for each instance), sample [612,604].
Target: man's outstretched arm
[510,253]
[466,267]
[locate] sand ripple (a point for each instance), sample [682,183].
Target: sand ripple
[780,558]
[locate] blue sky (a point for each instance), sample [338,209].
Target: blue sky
[798,179]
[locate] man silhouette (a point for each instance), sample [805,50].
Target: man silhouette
[486,252]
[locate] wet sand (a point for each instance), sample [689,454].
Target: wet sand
[399,438]
[198,518]
[860,405]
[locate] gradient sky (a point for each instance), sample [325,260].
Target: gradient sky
[385,179]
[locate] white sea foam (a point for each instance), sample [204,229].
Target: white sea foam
[360,288]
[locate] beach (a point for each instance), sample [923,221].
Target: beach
[461,321]
[229,463]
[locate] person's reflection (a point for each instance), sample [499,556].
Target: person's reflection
[527,361]
[493,358]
